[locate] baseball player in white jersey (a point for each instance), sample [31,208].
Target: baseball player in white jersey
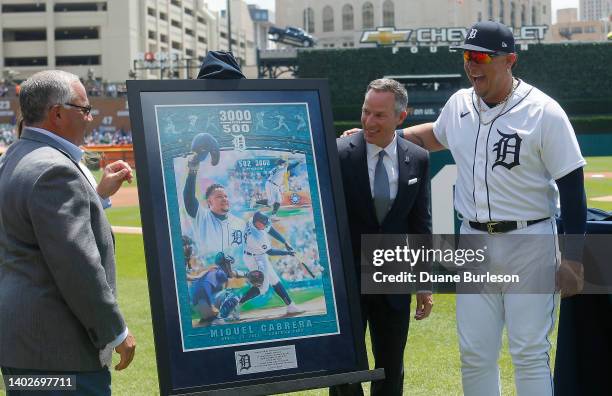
[214,228]
[217,236]
[506,173]
[512,144]
[274,185]
[257,248]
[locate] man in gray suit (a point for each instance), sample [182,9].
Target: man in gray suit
[58,307]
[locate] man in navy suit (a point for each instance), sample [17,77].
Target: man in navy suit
[386,185]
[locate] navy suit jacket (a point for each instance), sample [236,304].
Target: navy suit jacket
[411,210]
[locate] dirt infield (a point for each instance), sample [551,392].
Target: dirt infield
[607,198]
[126,196]
[127,230]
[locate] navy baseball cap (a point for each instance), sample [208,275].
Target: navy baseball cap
[260,217]
[489,37]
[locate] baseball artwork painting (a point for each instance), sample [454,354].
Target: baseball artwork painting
[251,262]
[249,272]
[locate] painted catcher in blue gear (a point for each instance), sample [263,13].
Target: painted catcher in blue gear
[205,290]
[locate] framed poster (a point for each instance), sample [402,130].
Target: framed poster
[250,274]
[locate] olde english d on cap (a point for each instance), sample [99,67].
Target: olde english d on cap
[489,37]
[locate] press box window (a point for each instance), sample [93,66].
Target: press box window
[77,60]
[30,61]
[85,33]
[74,7]
[36,7]
[24,35]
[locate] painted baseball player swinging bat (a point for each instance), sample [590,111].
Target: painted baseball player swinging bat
[250,251]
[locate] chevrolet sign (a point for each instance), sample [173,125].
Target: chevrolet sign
[435,36]
[385,36]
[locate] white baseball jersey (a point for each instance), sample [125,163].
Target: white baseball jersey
[506,169]
[257,243]
[277,175]
[213,235]
[274,184]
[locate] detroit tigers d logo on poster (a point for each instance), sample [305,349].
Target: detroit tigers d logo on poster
[250,253]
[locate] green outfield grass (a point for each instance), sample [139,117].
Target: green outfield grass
[125,216]
[128,216]
[598,164]
[431,358]
[598,187]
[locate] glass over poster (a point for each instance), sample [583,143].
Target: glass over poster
[250,280]
[250,255]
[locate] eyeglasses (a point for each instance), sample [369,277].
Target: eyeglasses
[481,58]
[86,110]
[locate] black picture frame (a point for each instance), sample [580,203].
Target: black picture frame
[190,358]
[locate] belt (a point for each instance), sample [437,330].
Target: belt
[499,227]
[253,254]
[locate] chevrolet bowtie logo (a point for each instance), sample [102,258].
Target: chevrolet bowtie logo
[385,36]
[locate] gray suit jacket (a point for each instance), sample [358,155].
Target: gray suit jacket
[57,268]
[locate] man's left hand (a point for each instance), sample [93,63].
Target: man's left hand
[126,350]
[113,176]
[424,305]
[570,278]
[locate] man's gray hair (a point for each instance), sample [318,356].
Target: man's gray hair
[397,89]
[42,91]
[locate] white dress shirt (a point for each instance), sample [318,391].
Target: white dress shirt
[76,154]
